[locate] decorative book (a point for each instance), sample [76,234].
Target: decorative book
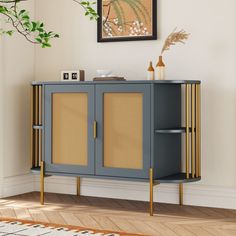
[109,78]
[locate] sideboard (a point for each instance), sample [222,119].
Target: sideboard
[146,131]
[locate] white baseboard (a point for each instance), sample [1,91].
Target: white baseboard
[16,185]
[194,194]
[1,184]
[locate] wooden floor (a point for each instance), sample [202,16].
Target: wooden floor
[121,215]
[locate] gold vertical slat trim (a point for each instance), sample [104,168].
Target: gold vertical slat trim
[40,123]
[151,191]
[42,183]
[78,186]
[33,88]
[36,123]
[193,130]
[198,132]
[199,127]
[197,144]
[40,105]
[95,129]
[39,147]
[33,122]
[181,194]
[187,128]
[36,104]
[31,128]
[33,131]
[36,147]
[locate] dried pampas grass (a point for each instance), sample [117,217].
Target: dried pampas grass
[173,38]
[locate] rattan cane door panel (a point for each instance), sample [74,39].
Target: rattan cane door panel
[70,128]
[123,130]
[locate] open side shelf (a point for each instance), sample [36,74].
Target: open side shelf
[178,178]
[172,130]
[37,127]
[35,170]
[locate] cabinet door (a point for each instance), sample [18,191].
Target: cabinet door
[69,117]
[123,141]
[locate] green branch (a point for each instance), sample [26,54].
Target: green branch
[34,31]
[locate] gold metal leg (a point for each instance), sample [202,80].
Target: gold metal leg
[181,194]
[78,186]
[42,183]
[151,191]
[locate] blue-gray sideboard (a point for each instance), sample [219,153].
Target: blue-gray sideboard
[146,131]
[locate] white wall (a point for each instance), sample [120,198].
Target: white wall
[209,55]
[17,70]
[1,117]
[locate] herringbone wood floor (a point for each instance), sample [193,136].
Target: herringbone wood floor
[121,215]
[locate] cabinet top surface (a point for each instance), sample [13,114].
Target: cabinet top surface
[117,82]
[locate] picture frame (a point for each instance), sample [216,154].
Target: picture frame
[136,20]
[73,75]
[65,76]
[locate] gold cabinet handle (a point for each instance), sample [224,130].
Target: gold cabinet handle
[95,129]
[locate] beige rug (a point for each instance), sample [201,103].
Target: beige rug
[15,227]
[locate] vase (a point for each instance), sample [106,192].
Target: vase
[150,72]
[160,69]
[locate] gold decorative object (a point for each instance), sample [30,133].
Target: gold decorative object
[150,72]
[160,69]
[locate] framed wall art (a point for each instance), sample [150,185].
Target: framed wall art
[127,20]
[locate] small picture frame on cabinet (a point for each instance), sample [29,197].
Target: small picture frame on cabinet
[65,76]
[73,75]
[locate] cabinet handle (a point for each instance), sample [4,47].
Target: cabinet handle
[95,129]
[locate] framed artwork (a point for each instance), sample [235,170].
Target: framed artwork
[127,20]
